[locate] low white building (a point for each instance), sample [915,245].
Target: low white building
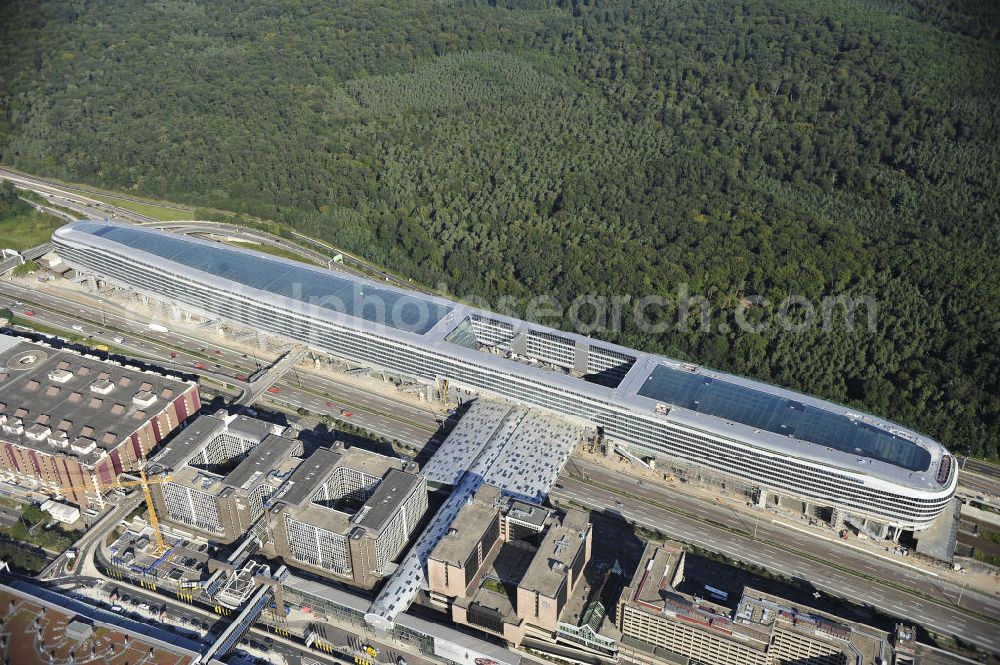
[61,512]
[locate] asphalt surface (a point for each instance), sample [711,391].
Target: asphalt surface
[859,576]
[832,566]
[978,479]
[323,395]
[75,198]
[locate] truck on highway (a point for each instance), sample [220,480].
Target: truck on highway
[156,327]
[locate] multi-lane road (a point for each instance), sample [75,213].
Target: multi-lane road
[894,586]
[76,198]
[979,480]
[832,566]
[409,423]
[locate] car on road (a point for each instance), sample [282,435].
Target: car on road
[241,377]
[329,405]
[29,312]
[199,365]
[77,326]
[218,353]
[118,339]
[173,354]
[274,390]
[346,413]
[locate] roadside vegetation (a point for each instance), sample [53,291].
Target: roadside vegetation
[272,249]
[525,147]
[160,213]
[32,528]
[21,225]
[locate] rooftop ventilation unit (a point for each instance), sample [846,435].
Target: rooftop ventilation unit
[102,386]
[38,432]
[60,375]
[83,445]
[143,398]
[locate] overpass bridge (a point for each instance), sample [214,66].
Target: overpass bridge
[261,381]
[23,257]
[235,631]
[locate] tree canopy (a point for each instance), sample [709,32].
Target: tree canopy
[520,147]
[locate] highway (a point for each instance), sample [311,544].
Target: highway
[348,263]
[75,198]
[835,567]
[980,479]
[410,424]
[858,575]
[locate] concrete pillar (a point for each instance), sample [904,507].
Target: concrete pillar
[762,499]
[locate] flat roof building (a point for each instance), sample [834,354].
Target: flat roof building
[347,513]
[768,438]
[61,512]
[510,582]
[70,423]
[659,624]
[222,470]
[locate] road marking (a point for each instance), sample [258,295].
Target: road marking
[852,546]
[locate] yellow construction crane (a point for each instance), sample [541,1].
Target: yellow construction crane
[158,543]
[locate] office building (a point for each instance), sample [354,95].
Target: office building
[71,423]
[776,442]
[346,513]
[660,624]
[500,550]
[223,470]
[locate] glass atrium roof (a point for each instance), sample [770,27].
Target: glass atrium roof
[781,415]
[313,286]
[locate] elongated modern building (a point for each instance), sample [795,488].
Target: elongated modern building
[775,439]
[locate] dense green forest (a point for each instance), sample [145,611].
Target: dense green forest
[508,147]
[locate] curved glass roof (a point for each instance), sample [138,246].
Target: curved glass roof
[313,286]
[774,413]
